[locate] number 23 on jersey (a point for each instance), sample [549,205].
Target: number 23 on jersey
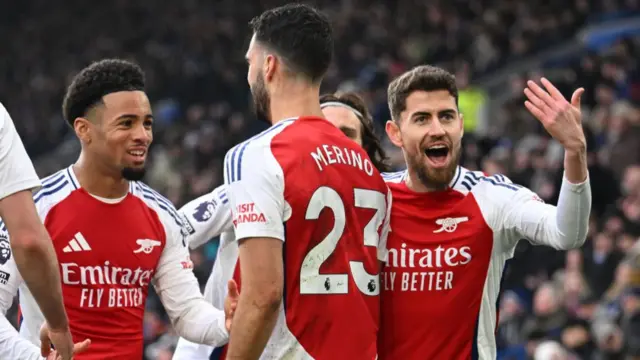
[311,281]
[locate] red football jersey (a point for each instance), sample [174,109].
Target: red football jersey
[304,182]
[109,252]
[447,253]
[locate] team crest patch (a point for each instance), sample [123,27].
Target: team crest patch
[205,210]
[5,249]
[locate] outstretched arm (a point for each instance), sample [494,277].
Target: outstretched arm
[30,242]
[566,226]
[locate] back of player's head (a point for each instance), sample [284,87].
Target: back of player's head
[97,80]
[300,35]
[370,141]
[420,78]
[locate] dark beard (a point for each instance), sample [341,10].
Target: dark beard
[437,179]
[133,174]
[261,100]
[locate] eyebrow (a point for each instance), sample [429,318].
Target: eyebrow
[350,132]
[133,116]
[440,113]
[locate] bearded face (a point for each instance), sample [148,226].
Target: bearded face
[261,98]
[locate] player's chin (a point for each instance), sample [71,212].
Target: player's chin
[133,172]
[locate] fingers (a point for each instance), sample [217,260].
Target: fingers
[555,93]
[81,347]
[233,289]
[534,110]
[45,342]
[576,97]
[540,98]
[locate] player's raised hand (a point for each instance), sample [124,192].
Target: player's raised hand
[63,343]
[562,119]
[230,303]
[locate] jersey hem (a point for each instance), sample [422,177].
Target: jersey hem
[276,234]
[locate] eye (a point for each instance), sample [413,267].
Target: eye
[448,117]
[148,123]
[126,123]
[419,119]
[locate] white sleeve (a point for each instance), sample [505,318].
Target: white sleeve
[191,315]
[12,345]
[525,215]
[16,170]
[255,186]
[207,217]
[187,350]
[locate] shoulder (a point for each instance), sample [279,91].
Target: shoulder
[394,177]
[55,188]
[252,154]
[162,206]
[478,181]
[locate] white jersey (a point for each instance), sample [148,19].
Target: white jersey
[16,174]
[16,170]
[105,286]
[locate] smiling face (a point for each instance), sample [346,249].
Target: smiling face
[119,133]
[429,131]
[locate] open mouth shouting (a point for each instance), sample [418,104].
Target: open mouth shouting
[438,155]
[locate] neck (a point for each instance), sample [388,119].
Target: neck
[96,179]
[294,101]
[414,183]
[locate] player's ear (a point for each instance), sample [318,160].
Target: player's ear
[269,66]
[393,132]
[82,127]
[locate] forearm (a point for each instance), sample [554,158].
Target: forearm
[575,165]
[34,256]
[202,323]
[572,213]
[253,324]
[36,260]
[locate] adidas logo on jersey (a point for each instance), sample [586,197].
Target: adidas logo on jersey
[78,243]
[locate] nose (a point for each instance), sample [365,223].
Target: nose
[436,128]
[142,134]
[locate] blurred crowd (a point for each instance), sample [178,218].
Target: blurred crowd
[581,304]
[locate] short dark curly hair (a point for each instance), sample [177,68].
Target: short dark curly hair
[97,80]
[420,78]
[370,140]
[300,34]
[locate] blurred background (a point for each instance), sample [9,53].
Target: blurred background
[581,304]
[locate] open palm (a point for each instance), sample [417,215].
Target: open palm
[561,119]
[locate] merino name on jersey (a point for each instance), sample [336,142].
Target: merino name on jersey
[330,209]
[330,154]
